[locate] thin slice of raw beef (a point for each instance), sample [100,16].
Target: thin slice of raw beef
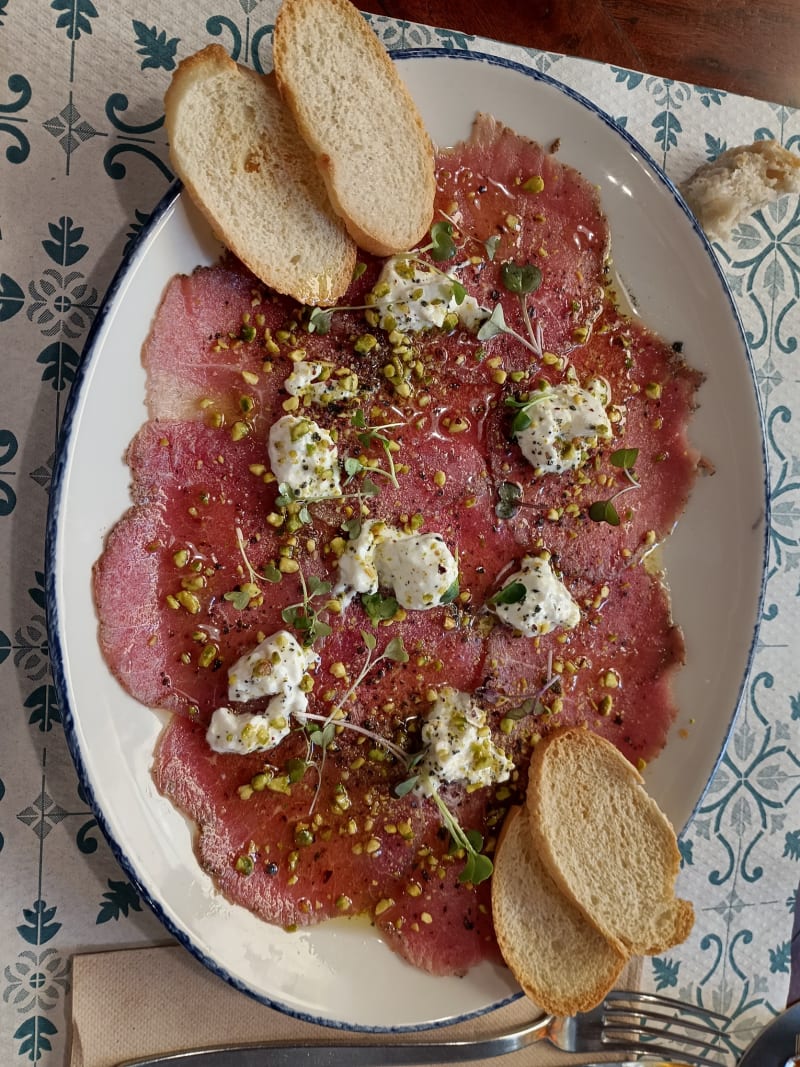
[214,555]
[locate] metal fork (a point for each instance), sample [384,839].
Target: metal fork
[638,1024]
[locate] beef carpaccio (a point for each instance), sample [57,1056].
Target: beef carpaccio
[218,554]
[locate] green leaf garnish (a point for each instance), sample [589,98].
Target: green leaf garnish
[238,598]
[352,467]
[378,607]
[475,838]
[522,419]
[271,573]
[524,709]
[477,866]
[521,278]
[286,495]
[368,436]
[319,321]
[323,737]
[495,324]
[513,593]
[604,511]
[352,527]
[395,651]
[459,293]
[450,594]
[442,244]
[624,458]
[296,769]
[477,869]
[303,616]
[520,422]
[490,244]
[317,587]
[402,788]
[509,499]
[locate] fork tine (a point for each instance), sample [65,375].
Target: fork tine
[629,1019]
[656,1000]
[620,1032]
[616,1015]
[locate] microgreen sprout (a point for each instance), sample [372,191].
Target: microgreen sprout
[302,616]
[519,278]
[441,246]
[522,419]
[270,573]
[321,736]
[524,278]
[319,319]
[604,510]
[287,496]
[496,324]
[379,608]
[367,436]
[477,867]
[528,707]
[509,500]
[395,652]
[240,598]
[489,245]
[330,725]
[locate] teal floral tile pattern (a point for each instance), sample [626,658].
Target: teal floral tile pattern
[83,160]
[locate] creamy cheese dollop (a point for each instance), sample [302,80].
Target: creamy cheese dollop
[318,383]
[543,603]
[303,455]
[275,668]
[414,297]
[566,422]
[419,568]
[459,745]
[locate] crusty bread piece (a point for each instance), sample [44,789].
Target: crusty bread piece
[605,841]
[739,182]
[237,150]
[561,961]
[360,121]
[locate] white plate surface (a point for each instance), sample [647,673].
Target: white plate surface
[341,973]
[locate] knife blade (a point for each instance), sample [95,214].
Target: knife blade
[290,1055]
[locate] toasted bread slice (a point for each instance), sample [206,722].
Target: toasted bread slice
[359,120]
[563,963]
[237,150]
[605,841]
[739,182]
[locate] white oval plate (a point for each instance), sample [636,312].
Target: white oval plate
[340,973]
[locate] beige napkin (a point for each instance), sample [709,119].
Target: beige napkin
[142,1002]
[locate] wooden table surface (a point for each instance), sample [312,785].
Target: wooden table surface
[751,47]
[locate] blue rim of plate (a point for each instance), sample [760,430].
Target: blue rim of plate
[61,467]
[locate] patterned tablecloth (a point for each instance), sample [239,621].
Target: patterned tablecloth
[84,160]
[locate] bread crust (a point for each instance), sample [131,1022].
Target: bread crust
[360,121]
[561,961]
[585,799]
[241,159]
